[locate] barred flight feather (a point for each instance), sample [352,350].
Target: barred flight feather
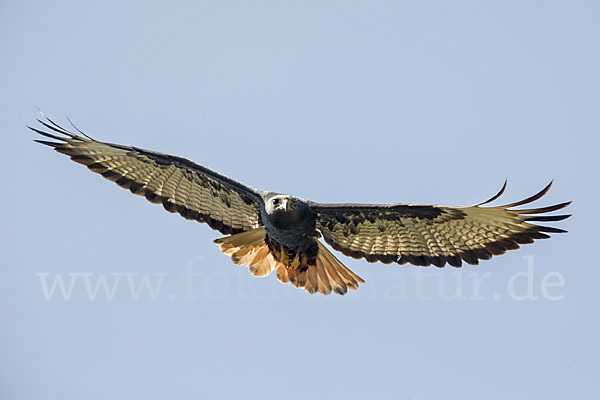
[434,234]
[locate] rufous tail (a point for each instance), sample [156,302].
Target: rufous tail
[326,275]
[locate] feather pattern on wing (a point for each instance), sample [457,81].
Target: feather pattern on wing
[181,186]
[433,234]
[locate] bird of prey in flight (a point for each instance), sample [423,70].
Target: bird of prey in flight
[279,232]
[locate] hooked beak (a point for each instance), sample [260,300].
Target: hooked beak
[285,204]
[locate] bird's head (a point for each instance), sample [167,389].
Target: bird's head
[281,203]
[284,211]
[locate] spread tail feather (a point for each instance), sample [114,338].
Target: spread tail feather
[327,275]
[331,274]
[249,248]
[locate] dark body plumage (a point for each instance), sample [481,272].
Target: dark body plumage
[289,221]
[271,231]
[291,233]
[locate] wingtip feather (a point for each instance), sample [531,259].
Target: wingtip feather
[531,199]
[46,142]
[494,197]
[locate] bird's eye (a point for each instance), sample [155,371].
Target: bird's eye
[276,201]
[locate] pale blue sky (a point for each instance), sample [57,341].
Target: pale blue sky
[430,102]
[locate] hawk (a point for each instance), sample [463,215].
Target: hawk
[279,232]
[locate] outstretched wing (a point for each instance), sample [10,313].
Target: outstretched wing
[180,185]
[431,234]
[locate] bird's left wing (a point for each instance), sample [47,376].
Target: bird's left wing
[194,191]
[431,234]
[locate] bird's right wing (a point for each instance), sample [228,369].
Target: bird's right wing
[194,191]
